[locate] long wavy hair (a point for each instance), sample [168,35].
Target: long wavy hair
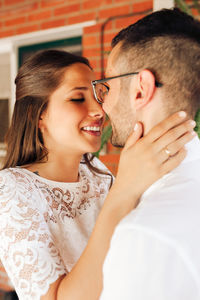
[37,79]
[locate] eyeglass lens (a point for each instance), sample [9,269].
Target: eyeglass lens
[101,91]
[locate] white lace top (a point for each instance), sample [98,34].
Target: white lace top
[45,225]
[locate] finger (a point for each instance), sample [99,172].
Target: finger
[173,162]
[135,135]
[173,135]
[175,147]
[165,125]
[180,143]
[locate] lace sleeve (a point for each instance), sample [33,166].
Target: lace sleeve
[27,250]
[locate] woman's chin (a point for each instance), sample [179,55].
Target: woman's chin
[94,149]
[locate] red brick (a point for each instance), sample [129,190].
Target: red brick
[115,11]
[90,40]
[124,22]
[95,63]
[96,28]
[54,23]
[93,29]
[195,12]
[111,161]
[51,3]
[146,5]
[67,9]
[82,18]
[40,16]
[17,11]
[14,22]
[97,73]
[109,36]
[27,29]
[94,52]
[13,2]
[91,4]
[6,33]
[117,1]
[113,150]
[110,158]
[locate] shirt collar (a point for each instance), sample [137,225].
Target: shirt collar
[193,150]
[193,153]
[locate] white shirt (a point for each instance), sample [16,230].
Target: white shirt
[155,250]
[45,225]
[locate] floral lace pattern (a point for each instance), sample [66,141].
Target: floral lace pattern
[45,225]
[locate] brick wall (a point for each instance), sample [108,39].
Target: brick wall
[25,16]
[22,16]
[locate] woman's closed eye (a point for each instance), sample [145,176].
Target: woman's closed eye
[77,99]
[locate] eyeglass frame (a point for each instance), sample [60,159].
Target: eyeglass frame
[94,82]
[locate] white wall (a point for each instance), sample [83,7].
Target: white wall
[5,88]
[159,4]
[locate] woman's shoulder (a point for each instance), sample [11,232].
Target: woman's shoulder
[15,179]
[12,174]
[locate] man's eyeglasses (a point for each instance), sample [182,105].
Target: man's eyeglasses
[100,89]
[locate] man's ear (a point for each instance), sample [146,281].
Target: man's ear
[145,88]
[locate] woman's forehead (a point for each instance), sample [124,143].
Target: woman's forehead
[79,71]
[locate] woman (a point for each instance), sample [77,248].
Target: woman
[51,189]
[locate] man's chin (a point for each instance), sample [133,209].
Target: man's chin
[116,143]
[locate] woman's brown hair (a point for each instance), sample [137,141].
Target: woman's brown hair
[37,79]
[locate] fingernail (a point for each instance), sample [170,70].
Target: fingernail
[136,127]
[193,123]
[193,133]
[182,114]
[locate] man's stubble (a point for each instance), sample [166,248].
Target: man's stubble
[122,120]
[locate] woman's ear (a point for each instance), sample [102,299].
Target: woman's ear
[41,124]
[145,88]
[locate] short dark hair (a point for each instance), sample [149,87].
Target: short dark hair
[166,22]
[168,43]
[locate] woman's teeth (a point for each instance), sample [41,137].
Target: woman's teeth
[88,128]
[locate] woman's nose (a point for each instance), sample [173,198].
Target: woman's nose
[95,109]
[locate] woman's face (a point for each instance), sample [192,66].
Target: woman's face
[73,120]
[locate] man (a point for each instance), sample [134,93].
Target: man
[155,250]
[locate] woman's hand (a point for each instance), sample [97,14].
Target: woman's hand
[145,160]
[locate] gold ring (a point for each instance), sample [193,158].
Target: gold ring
[167,151]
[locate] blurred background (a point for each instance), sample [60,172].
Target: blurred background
[84,27]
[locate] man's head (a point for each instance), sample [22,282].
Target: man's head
[164,47]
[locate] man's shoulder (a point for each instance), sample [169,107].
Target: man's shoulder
[168,209]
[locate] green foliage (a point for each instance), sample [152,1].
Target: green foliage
[197,119]
[183,6]
[107,131]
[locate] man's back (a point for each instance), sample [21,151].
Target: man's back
[155,251]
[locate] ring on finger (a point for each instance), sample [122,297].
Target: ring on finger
[167,151]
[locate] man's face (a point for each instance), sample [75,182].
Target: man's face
[117,103]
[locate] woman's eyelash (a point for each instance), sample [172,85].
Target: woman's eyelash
[78,99]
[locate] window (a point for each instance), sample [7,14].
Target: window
[72,45]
